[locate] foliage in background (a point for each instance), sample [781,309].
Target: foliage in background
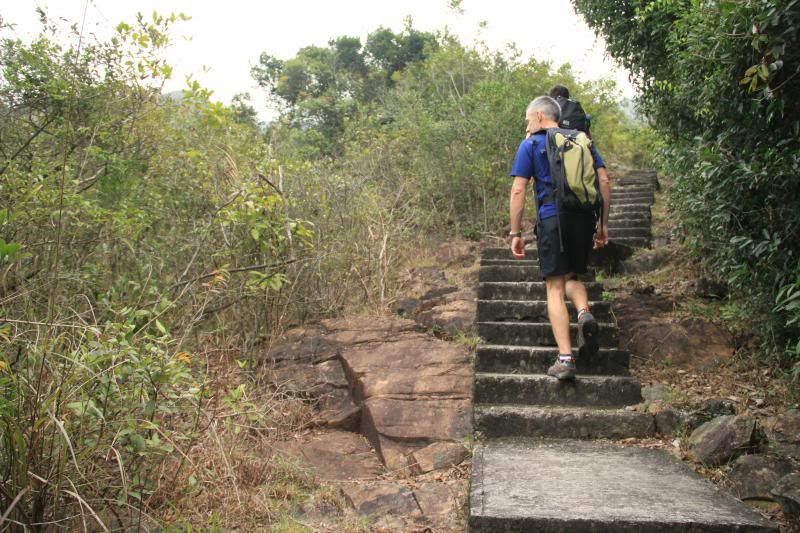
[721,82]
[144,238]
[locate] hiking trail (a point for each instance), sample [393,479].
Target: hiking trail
[548,455]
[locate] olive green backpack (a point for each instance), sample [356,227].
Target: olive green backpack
[576,187]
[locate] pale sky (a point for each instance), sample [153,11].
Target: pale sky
[224,39]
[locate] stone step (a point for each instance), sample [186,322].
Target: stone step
[641,232]
[496,421]
[582,486]
[528,272]
[625,202]
[615,223]
[532,311]
[505,359]
[526,290]
[634,215]
[538,333]
[633,242]
[516,262]
[647,187]
[539,389]
[637,179]
[647,194]
[629,208]
[496,253]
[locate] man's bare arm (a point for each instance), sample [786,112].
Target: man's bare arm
[605,190]
[517,210]
[517,203]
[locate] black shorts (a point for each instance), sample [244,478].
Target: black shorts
[577,236]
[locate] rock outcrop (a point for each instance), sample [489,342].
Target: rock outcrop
[391,402]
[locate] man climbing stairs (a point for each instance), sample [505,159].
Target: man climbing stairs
[538,463]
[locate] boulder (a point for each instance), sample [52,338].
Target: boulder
[783,432]
[669,422]
[787,493]
[708,410]
[381,498]
[754,476]
[721,439]
[437,456]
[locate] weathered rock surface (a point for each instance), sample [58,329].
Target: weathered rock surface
[414,389]
[437,456]
[436,500]
[451,318]
[334,455]
[305,345]
[721,439]
[408,392]
[783,432]
[363,329]
[787,493]
[754,476]
[686,342]
[381,498]
[420,421]
[336,409]
[325,385]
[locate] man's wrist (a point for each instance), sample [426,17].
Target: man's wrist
[517,233]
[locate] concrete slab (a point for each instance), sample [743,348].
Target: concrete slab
[595,486]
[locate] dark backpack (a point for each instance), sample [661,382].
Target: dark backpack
[573,117]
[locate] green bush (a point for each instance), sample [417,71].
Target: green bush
[720,82]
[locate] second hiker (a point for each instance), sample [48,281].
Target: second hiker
[573,203]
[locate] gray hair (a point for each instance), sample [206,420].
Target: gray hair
[547,106]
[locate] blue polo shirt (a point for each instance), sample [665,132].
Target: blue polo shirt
[531,162]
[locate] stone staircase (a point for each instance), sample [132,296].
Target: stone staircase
[539,463]
[632,197]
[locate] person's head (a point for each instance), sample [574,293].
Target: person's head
[558,90]
[542,112]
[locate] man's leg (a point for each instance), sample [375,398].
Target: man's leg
[588,330]
[564,367]
[557,313]
[576,292]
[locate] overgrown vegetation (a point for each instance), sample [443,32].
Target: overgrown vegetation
[721,81]
[150,245]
